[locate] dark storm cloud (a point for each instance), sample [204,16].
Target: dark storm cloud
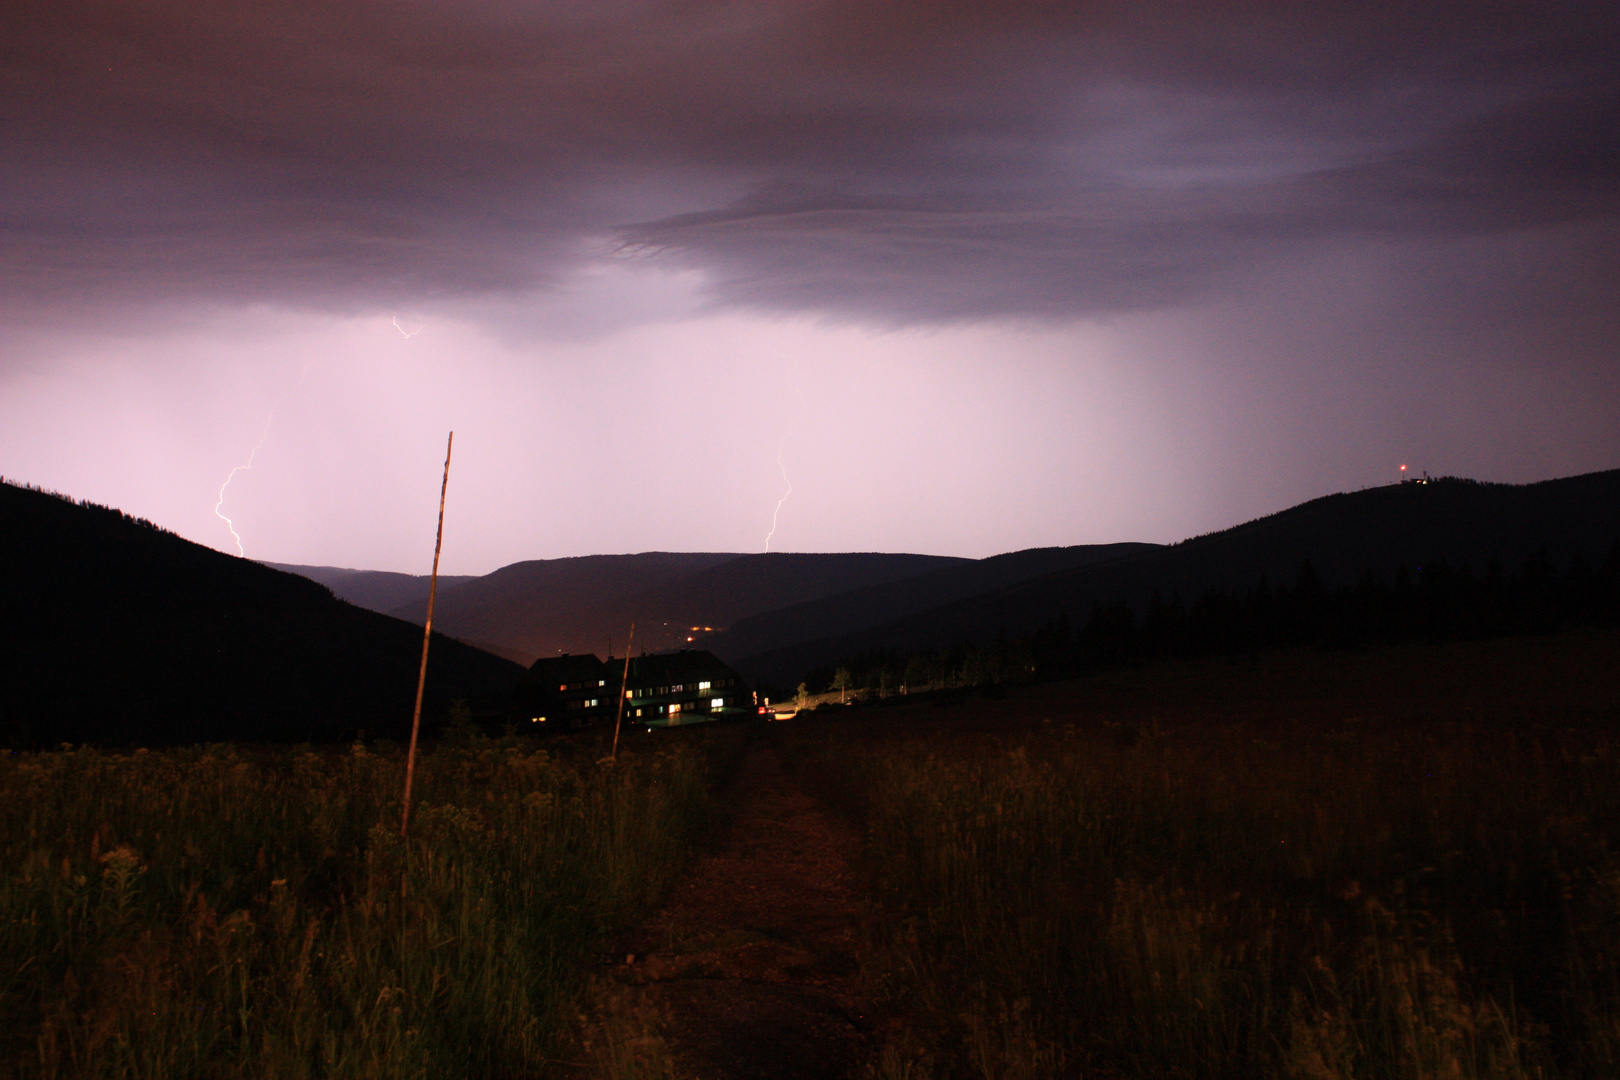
[895,162]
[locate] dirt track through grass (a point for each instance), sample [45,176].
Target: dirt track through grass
[752,964]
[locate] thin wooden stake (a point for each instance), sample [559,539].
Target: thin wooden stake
[427,636]
[619,720]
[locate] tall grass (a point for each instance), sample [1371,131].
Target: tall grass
[1319,904]
[214,912]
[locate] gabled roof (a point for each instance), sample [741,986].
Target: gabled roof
[567,667]
[678,667]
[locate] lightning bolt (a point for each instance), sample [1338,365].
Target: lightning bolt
[218,512]
[783,499]
[219,504]
[780,444]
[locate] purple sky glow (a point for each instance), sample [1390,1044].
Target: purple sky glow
[981,278]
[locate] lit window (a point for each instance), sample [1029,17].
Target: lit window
[717,702]
[538,720]
[704,685]
[675,707]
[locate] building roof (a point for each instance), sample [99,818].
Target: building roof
[677,667]
[565,668]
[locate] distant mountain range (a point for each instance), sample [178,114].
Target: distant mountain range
[877,605]
[1343,537]
[776,616]
[116,631]
[118,628]
[374,590]
[586,604]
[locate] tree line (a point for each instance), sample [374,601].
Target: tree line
[1436,602]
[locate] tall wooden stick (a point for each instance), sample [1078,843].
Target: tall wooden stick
[623,689]
[427,636]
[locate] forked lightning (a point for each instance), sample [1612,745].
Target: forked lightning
[218,511]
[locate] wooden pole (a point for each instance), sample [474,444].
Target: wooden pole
[427,636]
[623,689]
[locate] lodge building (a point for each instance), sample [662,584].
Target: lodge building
[686,687]
[565,692]
[570,692]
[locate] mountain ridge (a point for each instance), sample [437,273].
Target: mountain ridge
[586,603]
[876,604]
[374,590]
[1343,535]
[123,632]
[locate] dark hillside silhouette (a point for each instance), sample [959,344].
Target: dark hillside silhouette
[875,605]
[726,595]
[374,590]
[1460,523]
[1438,604]
[116,631]
[541,607]
[580,605]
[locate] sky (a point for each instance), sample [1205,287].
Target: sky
[815,276]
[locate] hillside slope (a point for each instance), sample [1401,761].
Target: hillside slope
[585,604]
[875,605]
[728,595]
[120,632]
[375,590]
[543,606]
[1343,536]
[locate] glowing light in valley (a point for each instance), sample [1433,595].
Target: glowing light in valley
[401,329]
[245,466]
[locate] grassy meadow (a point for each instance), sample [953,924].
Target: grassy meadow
[1403,864]
[252,912]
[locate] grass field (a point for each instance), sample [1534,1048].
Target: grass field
[1318,865]
[1399,864]
[238,912]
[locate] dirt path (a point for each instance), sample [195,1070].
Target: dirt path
[753,962]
